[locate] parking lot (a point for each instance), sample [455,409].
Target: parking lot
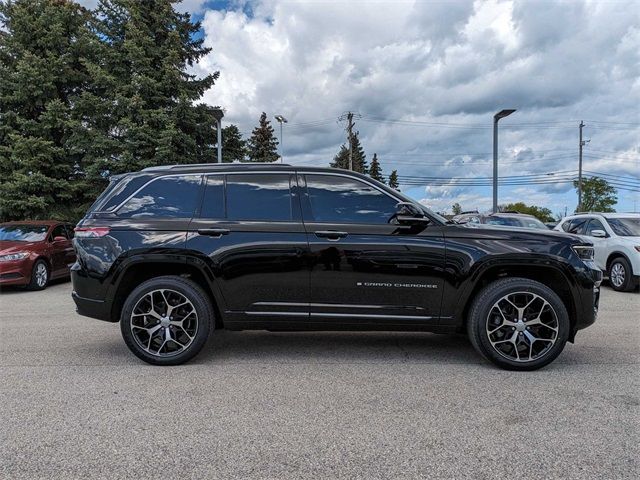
[75,403]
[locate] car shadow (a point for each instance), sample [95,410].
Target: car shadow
[12,289]
[336,347]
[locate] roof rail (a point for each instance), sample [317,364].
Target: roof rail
[161,168]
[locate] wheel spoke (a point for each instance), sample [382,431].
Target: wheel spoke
[157,326]
[521,345]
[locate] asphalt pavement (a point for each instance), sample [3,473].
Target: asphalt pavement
[74,403]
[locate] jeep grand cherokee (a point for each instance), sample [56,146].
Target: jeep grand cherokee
[173,253]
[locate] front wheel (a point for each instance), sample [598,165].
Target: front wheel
[39,276]
[166,320]
[518,324]
[620,275]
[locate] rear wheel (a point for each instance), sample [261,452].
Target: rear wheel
[166,320]
[518,324]
[620,275]
[39,276]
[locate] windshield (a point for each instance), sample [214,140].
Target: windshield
[525,222]
[625,227]
[23,233]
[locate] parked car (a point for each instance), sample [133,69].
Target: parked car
[512,219]
[616,239]
[173,252]
[35,252]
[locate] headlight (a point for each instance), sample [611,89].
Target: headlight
[13,256]
[584,252]
[637,247]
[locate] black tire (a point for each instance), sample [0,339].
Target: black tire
[37,282]
[156,288]
[482,313]
[623,280]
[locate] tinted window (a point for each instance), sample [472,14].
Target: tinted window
[118,191]
[594,225]
[70,232]
[59,231]
[213,201]
[166,197]
[625,227]
[259,197]
[577,226]
[343,200]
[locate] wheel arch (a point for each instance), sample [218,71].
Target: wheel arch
[548,274]
[613,255]
[136,270]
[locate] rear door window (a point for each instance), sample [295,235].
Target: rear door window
[213,202]
[172,196]
[260,197]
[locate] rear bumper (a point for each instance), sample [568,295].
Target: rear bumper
[88,307]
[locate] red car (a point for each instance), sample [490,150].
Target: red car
[34,252]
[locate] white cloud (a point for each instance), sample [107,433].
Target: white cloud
[441,62]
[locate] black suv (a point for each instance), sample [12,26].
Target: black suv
[174,252]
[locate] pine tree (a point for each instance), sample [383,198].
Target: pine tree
[234,147]
[375,171]
[42,47]
[263,146]
[341,160]
[393,180]
[141,108]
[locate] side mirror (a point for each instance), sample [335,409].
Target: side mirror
[60,238]
[408,214]
[598,233]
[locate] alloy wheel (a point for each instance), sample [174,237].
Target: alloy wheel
[522,326]
[41,274]
[617,274]
[164,322]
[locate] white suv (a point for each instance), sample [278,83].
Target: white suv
[616,238]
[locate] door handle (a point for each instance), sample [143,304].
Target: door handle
[213,232]
[331,234]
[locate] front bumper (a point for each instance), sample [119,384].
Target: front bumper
[15,272]
[589,281]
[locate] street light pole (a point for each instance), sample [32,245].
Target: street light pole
[218,114]
[496,117]
[280,119]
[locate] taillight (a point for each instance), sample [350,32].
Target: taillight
[91,232]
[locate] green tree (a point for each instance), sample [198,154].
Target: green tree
[393,180]
[456,209]
[597,195]
[234,147]
[341,160]
[541,213]
[141,108]
[375,171]
[42,47]
[263,146]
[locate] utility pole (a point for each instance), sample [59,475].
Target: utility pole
[581,144]
[350,134]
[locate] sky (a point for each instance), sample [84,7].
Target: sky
[425,78]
